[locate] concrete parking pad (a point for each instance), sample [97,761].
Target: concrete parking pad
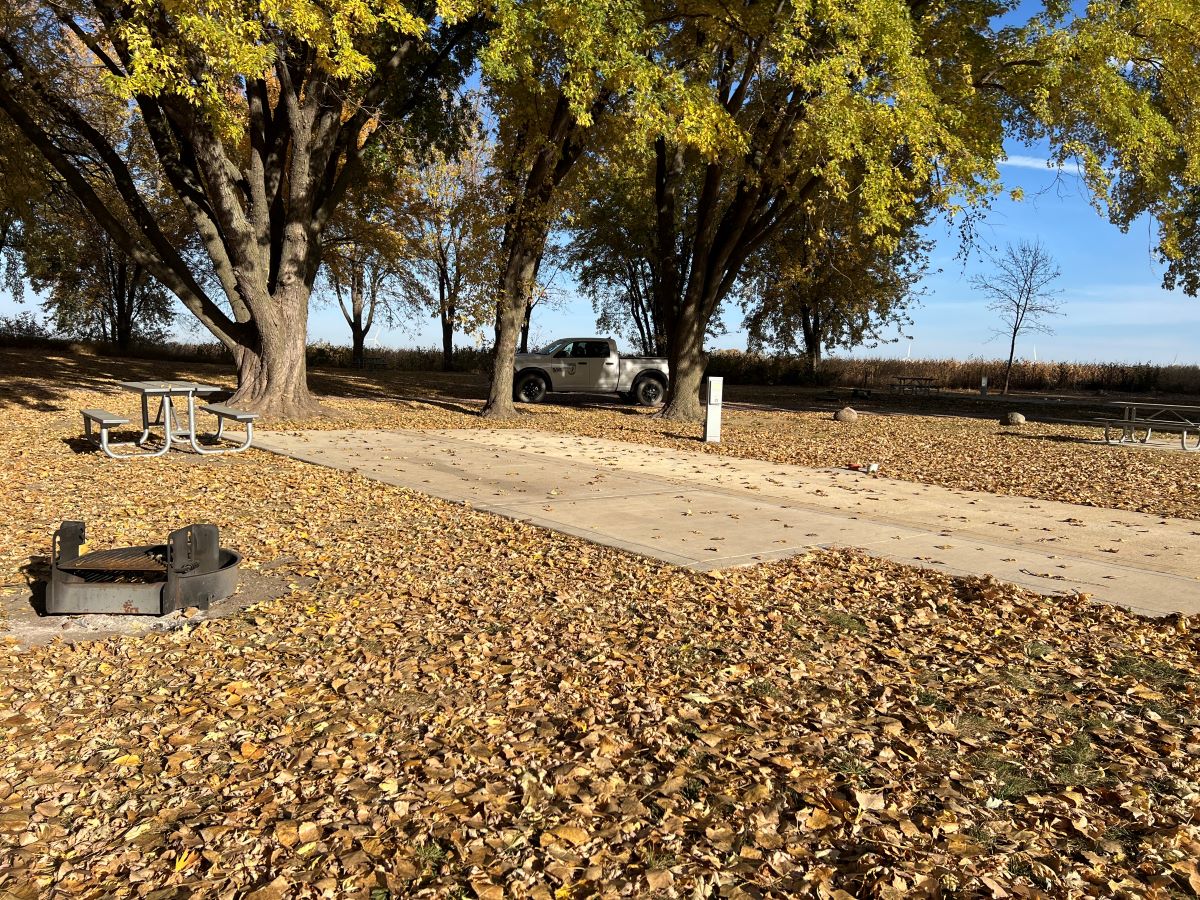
[706,511]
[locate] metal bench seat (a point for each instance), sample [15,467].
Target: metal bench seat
[228,412]
[104,422]
[102,418]
[224,413]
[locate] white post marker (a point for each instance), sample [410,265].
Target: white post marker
[983,386]
[712,410]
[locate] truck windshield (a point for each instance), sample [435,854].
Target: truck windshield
[549,349]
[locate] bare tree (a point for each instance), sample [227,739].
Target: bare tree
[1020,290]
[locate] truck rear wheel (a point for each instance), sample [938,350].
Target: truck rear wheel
[530,388]
[649,391]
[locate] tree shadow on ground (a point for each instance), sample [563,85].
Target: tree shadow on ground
[37,378]
[447,405]
[393,385]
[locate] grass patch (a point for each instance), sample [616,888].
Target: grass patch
[1011,779]
[656,858]
[937,701]
[1076,762]
[763,688]
[1149,670]
[845,762]
[972,725]
[1037,650]
[842,621]
[430,855]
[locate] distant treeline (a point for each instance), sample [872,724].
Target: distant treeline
[751,368]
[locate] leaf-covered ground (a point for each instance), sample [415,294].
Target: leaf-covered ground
[460,705]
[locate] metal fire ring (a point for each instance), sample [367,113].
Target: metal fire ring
[191,569]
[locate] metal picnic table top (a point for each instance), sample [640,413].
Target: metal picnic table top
[167,388]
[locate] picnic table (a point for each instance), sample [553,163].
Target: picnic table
[168,418]
[914,384]
[1142,415]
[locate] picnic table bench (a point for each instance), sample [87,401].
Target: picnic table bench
[223,413]
[104,421]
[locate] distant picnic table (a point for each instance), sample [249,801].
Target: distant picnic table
[914,384]
[1141,415]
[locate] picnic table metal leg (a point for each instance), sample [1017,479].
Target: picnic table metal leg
[220,435]
[245,445]
[1129,433]
[163,417]
[195,439]
[166,417]
[145,421]
[107,447]
[166,445]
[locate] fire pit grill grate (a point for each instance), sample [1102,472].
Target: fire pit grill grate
[122,560]
[191,569]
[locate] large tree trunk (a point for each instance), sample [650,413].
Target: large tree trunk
[812,359]
[510,318]
[123,287]
[687,360]
[271,373]
[124,337]
[358,334]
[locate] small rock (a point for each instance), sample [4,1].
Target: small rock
[1013,418]
[190,611]
[845,415]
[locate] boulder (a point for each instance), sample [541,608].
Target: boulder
[845,415]
[1013,418]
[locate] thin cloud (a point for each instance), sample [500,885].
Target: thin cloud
[1018,161]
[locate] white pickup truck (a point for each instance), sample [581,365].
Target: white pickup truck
[589,365]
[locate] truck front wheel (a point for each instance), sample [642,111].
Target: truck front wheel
[649,392]
[530,388]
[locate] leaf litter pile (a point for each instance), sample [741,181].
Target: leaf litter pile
[452,704]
